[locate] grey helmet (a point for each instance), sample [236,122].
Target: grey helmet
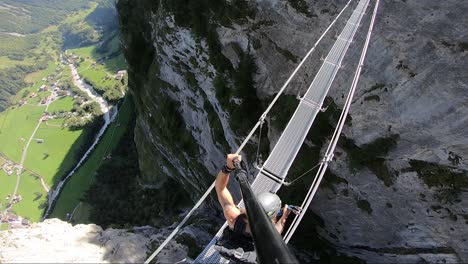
[270,202]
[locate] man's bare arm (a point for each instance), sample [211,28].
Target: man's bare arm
[280,223]
[224,196]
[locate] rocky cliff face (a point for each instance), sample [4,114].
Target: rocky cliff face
[54,241]
[202,71]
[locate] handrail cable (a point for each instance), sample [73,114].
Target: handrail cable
[262,118]
[336,134]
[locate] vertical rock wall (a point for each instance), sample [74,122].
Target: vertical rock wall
[397,188]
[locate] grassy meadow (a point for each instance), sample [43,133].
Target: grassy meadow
[57,154]
[26,63]
[78,184]
[98,67]
[16,126]
[33,196]
[62,104]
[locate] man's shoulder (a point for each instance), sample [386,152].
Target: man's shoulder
[231,212]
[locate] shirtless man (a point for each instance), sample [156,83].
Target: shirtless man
[236,218]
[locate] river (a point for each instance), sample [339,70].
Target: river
[110,112]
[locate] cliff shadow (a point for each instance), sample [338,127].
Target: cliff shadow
[75,152]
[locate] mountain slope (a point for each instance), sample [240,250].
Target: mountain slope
[396,190]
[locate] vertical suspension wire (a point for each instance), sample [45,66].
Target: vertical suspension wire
[259,143]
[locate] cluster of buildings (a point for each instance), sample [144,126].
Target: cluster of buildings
[55,88]
[48,78]
[16,199]
[22,102]
[43,88]
[8,167]
[13,220]
[9,217]
[45,118]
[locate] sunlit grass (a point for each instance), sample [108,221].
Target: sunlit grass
[33,195]
[63,104]
[16,126]
[78,184]
[58,150]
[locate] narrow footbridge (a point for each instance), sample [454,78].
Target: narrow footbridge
[272,175]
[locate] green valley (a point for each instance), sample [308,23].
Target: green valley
[62,79]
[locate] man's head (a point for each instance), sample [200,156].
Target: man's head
[270,202]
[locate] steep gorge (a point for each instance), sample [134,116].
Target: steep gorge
[201,73]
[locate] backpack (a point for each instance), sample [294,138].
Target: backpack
[236,247]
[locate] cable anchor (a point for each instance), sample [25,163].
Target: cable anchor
[328,158]
[262,119]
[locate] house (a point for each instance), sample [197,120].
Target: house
[43,88]
[16,199]
[120,74]
[32,95]
[62,93]
[25,222]
[12,218]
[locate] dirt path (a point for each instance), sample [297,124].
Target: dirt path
[25,150]
[44,185]
[47,123]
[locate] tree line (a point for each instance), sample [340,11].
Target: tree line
[12,80]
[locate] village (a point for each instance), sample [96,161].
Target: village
[51,90]
[81,107]
[7,166]
[10,217]
[13,220]
[70,58]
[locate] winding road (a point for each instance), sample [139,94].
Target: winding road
[108,118]
[25,150]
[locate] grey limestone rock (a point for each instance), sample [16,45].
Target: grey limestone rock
[407,201]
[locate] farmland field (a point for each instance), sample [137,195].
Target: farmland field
[57,153]
[29,59]
[62,104]
[16,126]
[33,197]
[79,183]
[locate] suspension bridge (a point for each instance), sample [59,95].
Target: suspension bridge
[272,174]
